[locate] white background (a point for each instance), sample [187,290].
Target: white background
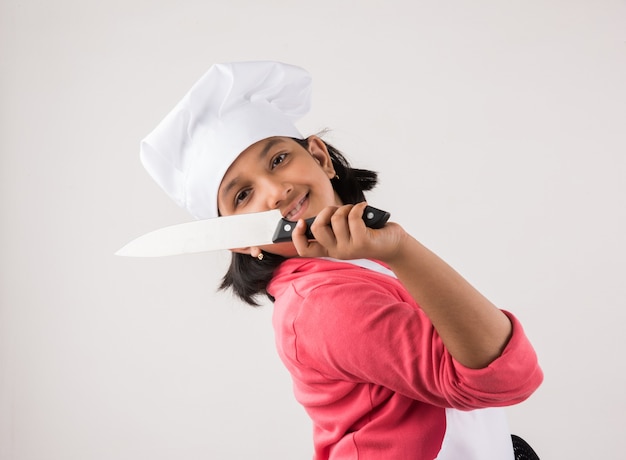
[498,128]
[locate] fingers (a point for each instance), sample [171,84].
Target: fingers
[302,244]
[336,230]
[322,231]
[322,227]
[358,230]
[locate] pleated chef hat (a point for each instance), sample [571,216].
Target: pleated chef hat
[230,108]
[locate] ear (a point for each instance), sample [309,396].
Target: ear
[319,151]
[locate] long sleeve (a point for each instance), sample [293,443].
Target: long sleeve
[361,331]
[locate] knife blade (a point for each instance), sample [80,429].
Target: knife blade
[228,232]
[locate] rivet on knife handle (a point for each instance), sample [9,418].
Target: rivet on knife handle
[373,217]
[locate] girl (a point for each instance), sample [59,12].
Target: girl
[392,353]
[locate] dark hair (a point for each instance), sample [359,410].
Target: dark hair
[249,277]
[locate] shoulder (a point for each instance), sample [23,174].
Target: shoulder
[351,324]
[339,301]
[316,281]
[317,278]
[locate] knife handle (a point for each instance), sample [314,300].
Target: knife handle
[373,218]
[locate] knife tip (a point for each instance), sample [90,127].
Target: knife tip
[126,251]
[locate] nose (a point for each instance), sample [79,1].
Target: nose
[276,191]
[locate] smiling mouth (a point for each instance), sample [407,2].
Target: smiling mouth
[297,208]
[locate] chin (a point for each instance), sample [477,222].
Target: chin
[281,249]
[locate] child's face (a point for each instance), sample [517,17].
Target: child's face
[278,173]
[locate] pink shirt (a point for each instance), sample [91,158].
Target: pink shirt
[371,371]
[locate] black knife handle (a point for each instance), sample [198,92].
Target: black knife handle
[373,218]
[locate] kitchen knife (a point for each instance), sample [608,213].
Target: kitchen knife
[229,232]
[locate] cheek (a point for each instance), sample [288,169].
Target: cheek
[222,209]
[338,200]
[331,194]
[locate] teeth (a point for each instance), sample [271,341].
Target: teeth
[295,210]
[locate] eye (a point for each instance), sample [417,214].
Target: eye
[278,159]
[241,197]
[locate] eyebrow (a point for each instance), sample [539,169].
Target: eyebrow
[271,143]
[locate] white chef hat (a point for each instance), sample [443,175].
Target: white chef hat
[230,108]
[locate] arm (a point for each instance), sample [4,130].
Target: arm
[473,330]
